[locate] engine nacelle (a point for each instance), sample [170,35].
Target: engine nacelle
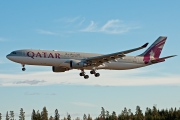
[58,69]
[77,64]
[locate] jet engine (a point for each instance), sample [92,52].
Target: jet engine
[77,64]
[58,69]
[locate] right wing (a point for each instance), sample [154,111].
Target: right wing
[98,60]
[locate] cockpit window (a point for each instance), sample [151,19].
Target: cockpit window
[13,52]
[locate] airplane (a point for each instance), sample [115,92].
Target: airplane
[62,61]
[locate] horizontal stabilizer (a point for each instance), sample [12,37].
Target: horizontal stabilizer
[162,59]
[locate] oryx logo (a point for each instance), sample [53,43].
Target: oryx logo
[155,50]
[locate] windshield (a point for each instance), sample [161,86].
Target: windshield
[13,53]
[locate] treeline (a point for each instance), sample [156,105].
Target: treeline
[126,114]
[150,114]
[10,115]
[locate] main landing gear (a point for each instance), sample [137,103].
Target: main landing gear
[84,74]
[87,76]
[94,72]
[23,68]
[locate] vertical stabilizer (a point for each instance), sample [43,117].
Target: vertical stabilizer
[154,50]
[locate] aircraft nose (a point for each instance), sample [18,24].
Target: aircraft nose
[8,56]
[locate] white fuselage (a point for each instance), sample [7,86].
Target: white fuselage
[59,58]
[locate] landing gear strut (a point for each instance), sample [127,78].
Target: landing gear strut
[83,74]
[23,68]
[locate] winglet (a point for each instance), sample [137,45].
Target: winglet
[145,45]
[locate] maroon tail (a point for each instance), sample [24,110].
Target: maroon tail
[154,50]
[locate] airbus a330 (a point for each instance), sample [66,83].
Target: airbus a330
[62,61]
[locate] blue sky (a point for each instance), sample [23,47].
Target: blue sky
[88,26]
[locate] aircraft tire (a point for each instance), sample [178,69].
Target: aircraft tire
[23,69]
[81,74]
[97,75]
[92,72]
[86,76]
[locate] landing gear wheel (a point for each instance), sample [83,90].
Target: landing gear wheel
[97,75]
[23,69]
[86,76]
[92,72]
[81,74]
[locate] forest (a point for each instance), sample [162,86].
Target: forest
[126,114]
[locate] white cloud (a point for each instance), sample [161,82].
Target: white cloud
[107,78]
[30,82]
[46,32]
[91,28]
[82,21]
[110,27]
[75,24]
[32,93]
[51,94]
[83,104]
[72,20]
[36,93]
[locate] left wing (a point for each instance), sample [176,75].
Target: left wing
[98,60]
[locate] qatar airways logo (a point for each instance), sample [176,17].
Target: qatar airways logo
[154,52]
[43,55]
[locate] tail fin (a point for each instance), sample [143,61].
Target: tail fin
[154,50]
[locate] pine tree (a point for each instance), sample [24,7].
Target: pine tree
[139,114]
[148,114]
[126,113]
[130,114]
[33,116]
[44,114]
[38,116]
[155,113]
[114,117]
[11,115]
[84,117]
[68,117]
[77,118]
[7,116]
[107,114]
[0,116]
[89,117]
[51,118]
[56,116]
[103,113]
[22,115]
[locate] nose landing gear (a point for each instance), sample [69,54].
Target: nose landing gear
[23,67]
